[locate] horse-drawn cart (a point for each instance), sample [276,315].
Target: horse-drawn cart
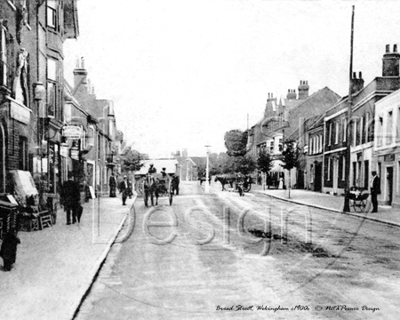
[160,184]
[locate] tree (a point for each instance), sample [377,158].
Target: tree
[131,160]
[235,142]
[264,161]
[244,164]
[290,155]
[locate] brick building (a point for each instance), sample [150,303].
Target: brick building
[361,127]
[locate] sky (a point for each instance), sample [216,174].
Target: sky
[181,73]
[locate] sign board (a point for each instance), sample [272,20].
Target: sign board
[389,157]
[20,112]
[92,194]
[11,198]
[64,151]
[72,132]
[75,153]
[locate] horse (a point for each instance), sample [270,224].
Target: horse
[224,181]
[150,187]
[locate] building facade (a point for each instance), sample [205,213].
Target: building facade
[387,148]
[361,127]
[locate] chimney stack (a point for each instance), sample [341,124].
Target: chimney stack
[291,95]
[390,62]
[303,90]
[80,73]
[357,84]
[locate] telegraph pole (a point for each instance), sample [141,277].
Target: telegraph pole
[346,207]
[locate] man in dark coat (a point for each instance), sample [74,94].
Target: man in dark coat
[9,249]
[125,189]
[71,201]
[375,190]
[113,186]
[152,169]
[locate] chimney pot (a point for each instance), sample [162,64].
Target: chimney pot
[387,48]
[360,75]
[354,75]
[395,48]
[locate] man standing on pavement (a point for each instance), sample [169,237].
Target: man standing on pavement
[113,186]
[71,198]
[124,189]
[375,190]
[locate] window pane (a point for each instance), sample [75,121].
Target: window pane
[51,17]
[52,69]
[51,99]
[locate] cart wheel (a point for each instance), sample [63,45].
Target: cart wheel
[170,198]
[248,188]
[366,205]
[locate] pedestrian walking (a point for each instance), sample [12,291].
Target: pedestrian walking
[8,249]
[124,188]
[375,190]
[71,199]
[113,186]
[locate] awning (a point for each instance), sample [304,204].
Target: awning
[276,166]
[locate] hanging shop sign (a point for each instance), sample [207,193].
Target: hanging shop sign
[64,150]
[74,152]
[72,132]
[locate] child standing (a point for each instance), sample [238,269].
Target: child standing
[9,249]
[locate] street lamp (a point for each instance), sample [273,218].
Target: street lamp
[207,185]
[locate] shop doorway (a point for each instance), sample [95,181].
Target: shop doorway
[318,177]
[389,177]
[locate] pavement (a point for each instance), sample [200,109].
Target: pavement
[385,214]
[55,266]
